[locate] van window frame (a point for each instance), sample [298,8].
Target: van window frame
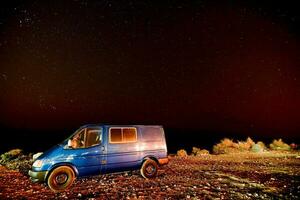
[123,141]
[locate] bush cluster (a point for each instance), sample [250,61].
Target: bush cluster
[181,153]
[195,152]
[279,145]
[229,146]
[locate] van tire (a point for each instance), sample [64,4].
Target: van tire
[61,178]
[149,169]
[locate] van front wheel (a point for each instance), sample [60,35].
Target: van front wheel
[61,178]
[149,169]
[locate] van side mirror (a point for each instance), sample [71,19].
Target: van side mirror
[70,143]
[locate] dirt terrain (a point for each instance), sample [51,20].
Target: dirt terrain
[237,176]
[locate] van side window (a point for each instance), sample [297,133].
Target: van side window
[129,134]
[93,137]
[152,134]
[122,135]
[116,135]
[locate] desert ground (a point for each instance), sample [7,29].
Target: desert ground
[236,176]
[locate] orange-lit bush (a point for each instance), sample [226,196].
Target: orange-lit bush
[258,147]
[225,146]
[182,153]
[203,152]
[262,145]
[279,145]
[199,152]
[245,145]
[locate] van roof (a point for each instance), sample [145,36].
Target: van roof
[120,125]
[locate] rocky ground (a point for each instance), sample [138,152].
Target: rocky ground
[237,176]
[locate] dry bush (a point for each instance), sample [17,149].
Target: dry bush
[262,145]
[279,145]
[195,150]
[225,146]
[203,152]
[14,159]
[245,145]
[10,155]
[182,153]
[22,163]
[199,152]
[228,142]
[257,148]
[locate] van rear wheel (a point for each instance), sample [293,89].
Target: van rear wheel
[61,178]
[149,169]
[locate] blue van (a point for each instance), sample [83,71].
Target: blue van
[100,149]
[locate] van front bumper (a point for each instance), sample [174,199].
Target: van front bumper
[37,176]
[163,161]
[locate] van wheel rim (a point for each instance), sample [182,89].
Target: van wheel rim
[61,179]
[150,169]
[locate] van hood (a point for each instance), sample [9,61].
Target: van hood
[53,152]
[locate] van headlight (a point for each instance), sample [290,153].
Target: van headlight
[38,163]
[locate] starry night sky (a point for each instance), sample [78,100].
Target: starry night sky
[203,67]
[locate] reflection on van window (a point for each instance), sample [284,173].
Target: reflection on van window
[86,137]
[122,135]
[129,134]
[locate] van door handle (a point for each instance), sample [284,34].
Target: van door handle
[102,148]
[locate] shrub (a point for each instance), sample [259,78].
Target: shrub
[262,145]
[14,159]
[195,151]
[22,163]
[245,145]
[256,148]
[279,145]
[10,155]
[181,153]
[225,146]
[198,152]
[203,152]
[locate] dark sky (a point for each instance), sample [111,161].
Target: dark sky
[205,65]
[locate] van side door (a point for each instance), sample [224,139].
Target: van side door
[122,152]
